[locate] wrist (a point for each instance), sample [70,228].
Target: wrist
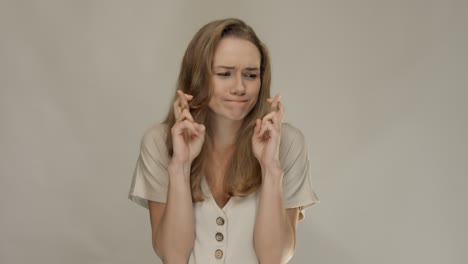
[272,180]
[179,168]
[271,166]
[273,170]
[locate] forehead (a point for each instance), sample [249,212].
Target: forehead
[236,52]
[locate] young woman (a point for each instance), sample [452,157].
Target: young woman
[224,180]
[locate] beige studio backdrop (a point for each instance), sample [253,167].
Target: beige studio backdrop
[379,89]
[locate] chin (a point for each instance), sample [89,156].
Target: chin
[230,114]
[234,117]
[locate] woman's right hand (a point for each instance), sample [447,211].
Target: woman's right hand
[187,135]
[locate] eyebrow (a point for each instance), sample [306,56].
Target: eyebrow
[233,68]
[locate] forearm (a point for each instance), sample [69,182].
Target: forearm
[273,234]
[176,233]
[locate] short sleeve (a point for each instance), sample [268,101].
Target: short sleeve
[294,157]
[150,178]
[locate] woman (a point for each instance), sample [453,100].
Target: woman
[224,180]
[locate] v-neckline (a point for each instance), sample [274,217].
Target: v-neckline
[211,197]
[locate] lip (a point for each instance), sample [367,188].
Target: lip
[238,101]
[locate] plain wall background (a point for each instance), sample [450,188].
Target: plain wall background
[379,88]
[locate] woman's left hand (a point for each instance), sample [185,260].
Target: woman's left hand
[267,135]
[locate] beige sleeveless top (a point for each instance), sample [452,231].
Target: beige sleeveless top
[223,235]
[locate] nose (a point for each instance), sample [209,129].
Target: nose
[238,87]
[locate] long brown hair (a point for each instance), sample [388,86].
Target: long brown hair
[243,175]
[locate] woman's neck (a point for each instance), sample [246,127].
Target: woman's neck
[225,135]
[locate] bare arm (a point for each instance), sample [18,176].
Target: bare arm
[275,227]
[278,246]
[172,224]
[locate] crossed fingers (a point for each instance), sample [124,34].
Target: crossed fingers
[184,119]
[272,121]
[181,106]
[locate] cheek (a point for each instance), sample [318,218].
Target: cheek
[210,103]
[218,87]
[255,94]
[255,90]
[215,89]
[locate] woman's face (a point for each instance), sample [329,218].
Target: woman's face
[236,78]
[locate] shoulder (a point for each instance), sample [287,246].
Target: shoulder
[291,134]
[157,131]
[154,138]
[292,141]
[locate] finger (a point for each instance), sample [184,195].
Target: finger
[264,131]
[272,119]
[258,135]
[271,123]
[280,106]
[274,103]
[185,115]
[186,125]
[258,125]
[272,130]
[264,127]
[177,109]
[268,117]
[183,99]
[280,112]
[271,99]
[201,128]
[187,96]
